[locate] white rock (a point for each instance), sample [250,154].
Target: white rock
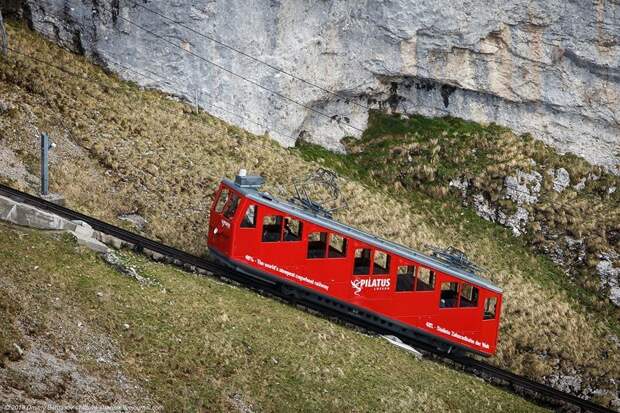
[537,66]
[561,180]
[610,278]
[580,185]
[19,349]
[517,221]
[523,188]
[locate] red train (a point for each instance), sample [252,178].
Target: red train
[405,291]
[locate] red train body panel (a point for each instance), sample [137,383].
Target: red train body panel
[267,237]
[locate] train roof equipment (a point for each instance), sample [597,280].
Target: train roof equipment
[451,260]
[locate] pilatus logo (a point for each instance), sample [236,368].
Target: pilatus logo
[377,284]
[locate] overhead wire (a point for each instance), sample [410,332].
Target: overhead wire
[81,76]
[162,77]
[231,72]
[249,56]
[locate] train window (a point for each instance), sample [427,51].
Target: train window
[426,280]
[469,296]
[231,206]
[449,295]
[292,229]
[317,244]
[490,304]
[249,219]
[361,264]
[221,200]
[337,246]
[382,263]
[272,225]
[404,277]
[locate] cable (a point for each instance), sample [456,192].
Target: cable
[253,82]
[174,83]
[256,59]
[77,75]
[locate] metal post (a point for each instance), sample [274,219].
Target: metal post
[45,147]
[4,40]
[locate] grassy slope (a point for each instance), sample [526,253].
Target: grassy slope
[122,150]
[197,343]
[427,154]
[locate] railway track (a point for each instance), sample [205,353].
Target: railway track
[541,392]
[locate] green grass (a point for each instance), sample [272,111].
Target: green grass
[371,161]
[122,149]
[195,343]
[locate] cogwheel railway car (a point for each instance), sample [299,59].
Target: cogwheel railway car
[403,290]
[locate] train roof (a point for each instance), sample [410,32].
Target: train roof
[400,250]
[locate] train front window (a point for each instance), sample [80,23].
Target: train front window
[361,264]
[272,226]
[449,295]
[249,219]
[404,277]
[490,305]
[317,244]
[381,263]
[469,296]
[426,280]
[337,246]
[221,200]
[231,206]
[292,229]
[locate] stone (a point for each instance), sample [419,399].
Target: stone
[483,209]
[523,188]
[110,240]
[561,180]
[83,229]
[460,184]
[7,208]
[54,198]
[19,350]
[610,278]
[137,220]
[579,186]
[28,216]
[90,243]
[547,67]
[155,256]
[517,221]
[115,261]
[566,383]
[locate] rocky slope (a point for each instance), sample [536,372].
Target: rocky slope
[550,68]
[123,151]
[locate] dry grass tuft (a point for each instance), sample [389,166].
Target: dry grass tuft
[122,149]
[196,344]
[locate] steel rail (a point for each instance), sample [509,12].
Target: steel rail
[140,242]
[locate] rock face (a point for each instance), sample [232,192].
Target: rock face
[548,67]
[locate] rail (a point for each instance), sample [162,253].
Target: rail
[546,393]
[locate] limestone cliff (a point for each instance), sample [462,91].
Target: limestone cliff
[548,67]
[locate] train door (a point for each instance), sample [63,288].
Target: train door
[371,277]
[223,212]
[490,320]
[414,293]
